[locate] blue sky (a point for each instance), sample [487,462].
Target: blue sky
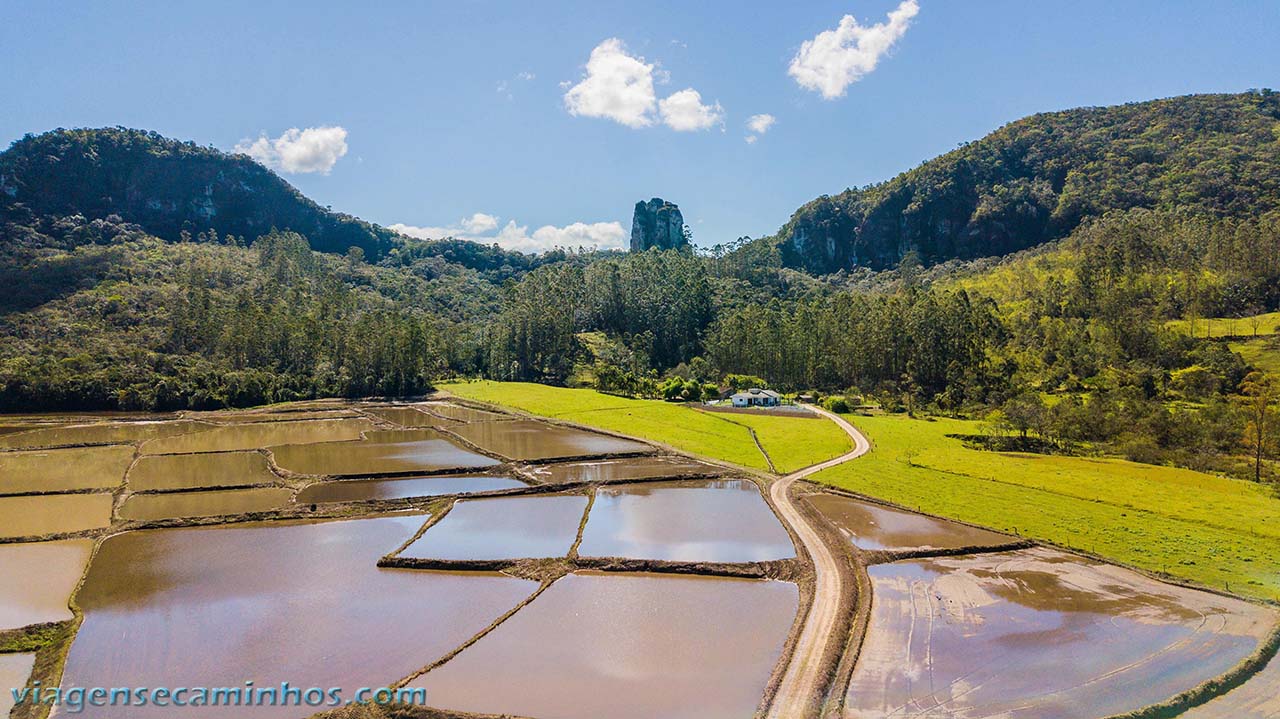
[463,116]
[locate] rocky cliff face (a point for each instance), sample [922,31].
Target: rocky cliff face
[657,223]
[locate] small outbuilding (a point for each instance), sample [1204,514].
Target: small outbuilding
[756,397]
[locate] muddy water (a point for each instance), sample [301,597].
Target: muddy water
[708,521]
[364,490]
[460,413]
[213,503]
[626,468]
[420,450]
[38,580]
[53,514]
[408,417]
[15,671]
[101,433]
[270,602]
[1038,633]
[189,471]
[526,439]
[275,416]
[503,528]
[625,646]
[261,434]
[873,526]
[60,470]
[1258,698]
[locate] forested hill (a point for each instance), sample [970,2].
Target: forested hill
[167,187]
[1036,179]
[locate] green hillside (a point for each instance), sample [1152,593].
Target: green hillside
[1036,179]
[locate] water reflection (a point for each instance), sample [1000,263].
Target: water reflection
[606,470]
[189,471]
[53,514]
[874,526]
[418,450]
[531,440]
[214,503]
[626,647]
[38,580]
[503,528]
[270,602]
[60,470]
[1038,633]
[709,521]
[363,490]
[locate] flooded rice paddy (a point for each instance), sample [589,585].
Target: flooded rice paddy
[1038,633]
[459,413]
[211,503]
[64,435]
[366,490]
[708,521]
[189,471]
[420,450]
[408,417]
[271,602]
[503,528]
[15,669]
[528,440]
[228,438]
[1018,634]
[42,515]
[610,470]
[275,415]
[875,526]
[625,646]
[36,580]
[61,470]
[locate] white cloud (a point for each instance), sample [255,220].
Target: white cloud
[315,149]
[760,124]
[525,75]
[424,233]
[835,59]
[683,111]
[480,227]
[479,223]
[617,86]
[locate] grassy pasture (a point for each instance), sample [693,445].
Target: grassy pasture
[1268,324]
[791,442]
[795,442]
[1194,526]
[1261,352]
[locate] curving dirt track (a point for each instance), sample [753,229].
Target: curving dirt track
[799,693]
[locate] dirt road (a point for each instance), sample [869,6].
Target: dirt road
[798,694]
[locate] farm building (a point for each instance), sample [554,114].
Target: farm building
[756,397]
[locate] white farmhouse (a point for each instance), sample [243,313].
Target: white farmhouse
[756,397]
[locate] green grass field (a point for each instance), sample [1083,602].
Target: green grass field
[1218,532]
[795,443]
[1261,353]
[792,442]
[1268,324]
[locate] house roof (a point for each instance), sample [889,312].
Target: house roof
[756,392]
